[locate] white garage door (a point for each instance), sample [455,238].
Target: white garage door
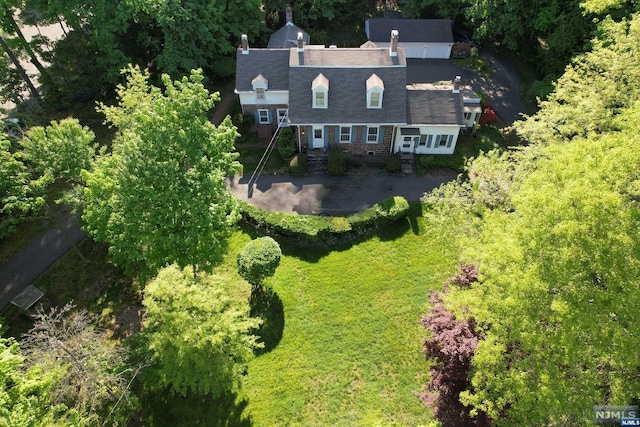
[437,50]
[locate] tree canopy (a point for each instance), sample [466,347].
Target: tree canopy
[199,337]
[554,231]
[160,196]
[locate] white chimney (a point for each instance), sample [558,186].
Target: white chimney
[288,16]
[456,84]
[393,46]
[300,43]
[245,45]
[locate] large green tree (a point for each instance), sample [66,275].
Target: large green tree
[16,195]
[160,197]
[555,234]
[198,336]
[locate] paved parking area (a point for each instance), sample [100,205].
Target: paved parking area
[331,195]
[502,87]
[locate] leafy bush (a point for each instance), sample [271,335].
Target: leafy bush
[259,259]
[451,345]
[455,161]
[312,230]
[393,164]
[298,164]
[287,143]
[337,162]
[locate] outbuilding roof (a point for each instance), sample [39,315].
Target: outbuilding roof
[411,30]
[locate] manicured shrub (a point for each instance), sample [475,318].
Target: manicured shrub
[337,162]
[393,164]
[313,230]
[259,259]
[298,164]
[287,143]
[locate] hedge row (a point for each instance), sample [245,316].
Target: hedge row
[313,230]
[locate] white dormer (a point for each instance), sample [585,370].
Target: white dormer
[320,90]
[260,86]
[375,90]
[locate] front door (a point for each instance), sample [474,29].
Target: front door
[318,137]
[406,146]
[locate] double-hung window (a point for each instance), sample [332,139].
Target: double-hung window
[345,133]
[263,117]
[372,134]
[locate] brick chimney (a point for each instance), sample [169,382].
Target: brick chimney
[245,45]
[457,84]
[288,16]
[300,42]
[393,46]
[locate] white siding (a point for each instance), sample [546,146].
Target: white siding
[433,130]
[270,98]
[423,50]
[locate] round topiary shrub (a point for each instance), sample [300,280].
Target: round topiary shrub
[259,259]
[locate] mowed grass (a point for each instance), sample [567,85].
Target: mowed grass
[350,352]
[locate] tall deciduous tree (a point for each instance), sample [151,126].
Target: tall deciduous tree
[160,197]
[198,336]
[16,195]
[58,153]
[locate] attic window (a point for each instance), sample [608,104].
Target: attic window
[260,86]
[320,90]
[375,90]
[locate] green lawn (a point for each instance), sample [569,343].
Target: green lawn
[343,333]
[350,352]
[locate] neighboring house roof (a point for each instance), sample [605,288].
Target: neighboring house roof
[411,30]
[429,104]
[347,96]
[287,37]
[272,64]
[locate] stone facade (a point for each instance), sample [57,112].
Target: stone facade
[273,109]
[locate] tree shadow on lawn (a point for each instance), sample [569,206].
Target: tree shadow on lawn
[267,305]
[163,408]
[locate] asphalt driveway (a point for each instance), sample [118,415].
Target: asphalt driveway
[501,87]
[331,195]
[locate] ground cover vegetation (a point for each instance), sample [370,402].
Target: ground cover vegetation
[533,333]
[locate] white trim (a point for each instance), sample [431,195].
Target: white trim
[282,123]
[348,140]
[377,128]
[317,142]
[260,118]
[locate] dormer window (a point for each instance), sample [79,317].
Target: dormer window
[260,86]
[320,90]
[375,90]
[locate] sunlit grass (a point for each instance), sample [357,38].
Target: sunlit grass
[350,353]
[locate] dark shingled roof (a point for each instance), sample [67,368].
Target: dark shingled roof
[430,105]
[273,64]
[411,30]
[347,99]
[346,57]
[287,37]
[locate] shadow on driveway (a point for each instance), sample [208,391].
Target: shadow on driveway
[324,194]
